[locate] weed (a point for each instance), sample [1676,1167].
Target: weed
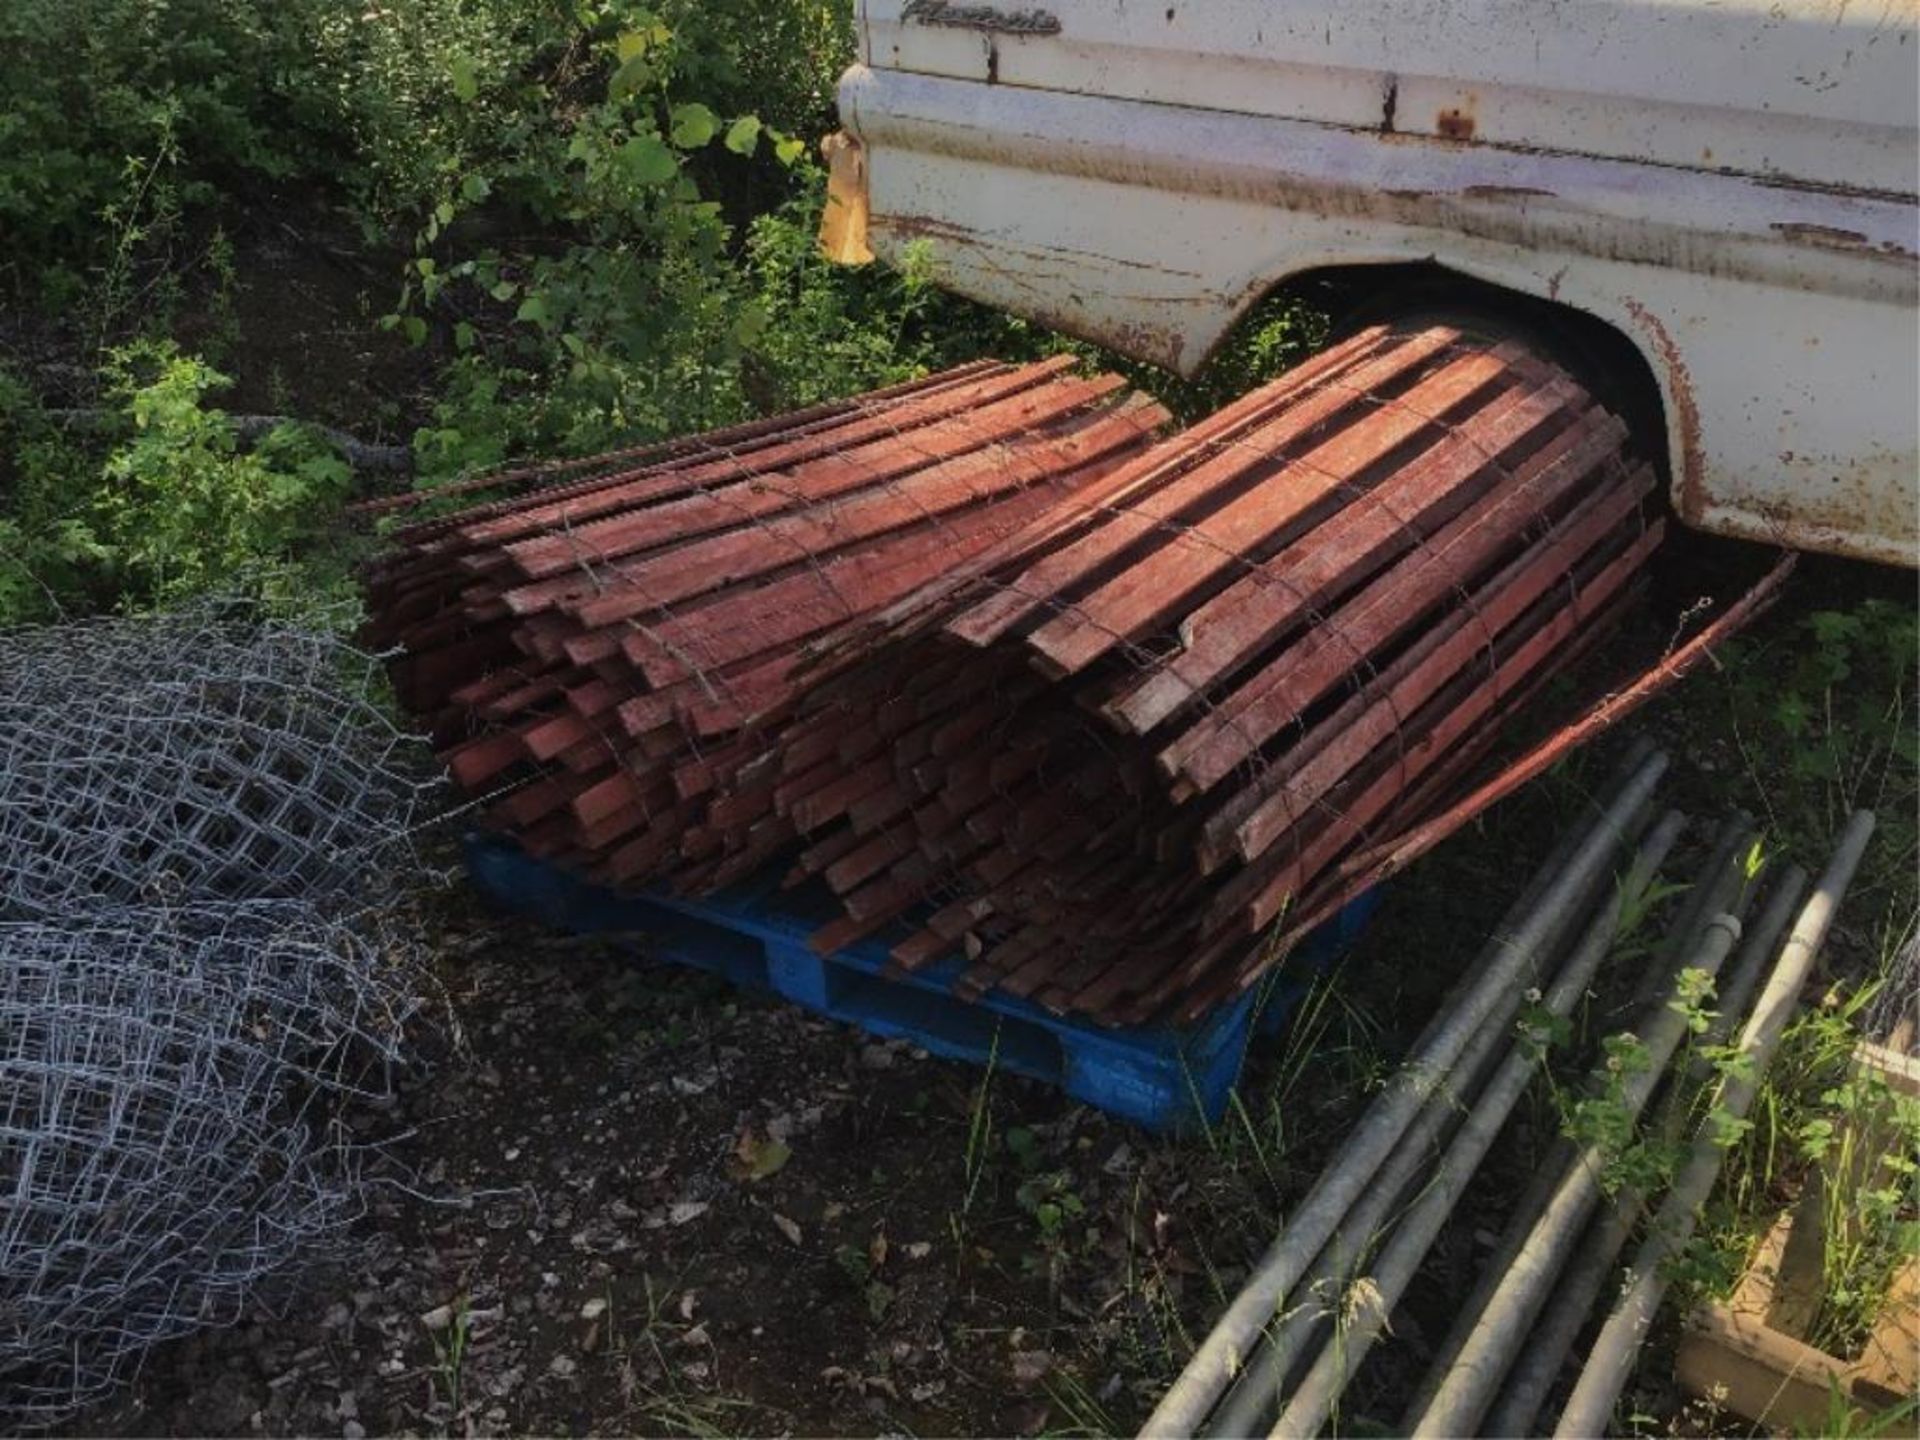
[1843,1420]
[1823,710]
[1086,1416]
[979,1140]
[450,1352]
[175,507]
[1820,1121]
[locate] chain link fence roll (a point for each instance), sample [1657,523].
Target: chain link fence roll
[206,754]
[205,821]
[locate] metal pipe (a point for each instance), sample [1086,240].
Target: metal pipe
[1468,1388]
[1526,1213]
[1400,1261]
[1716,887]
[1221,1355]
[1611,1358]
[1572,1300]
[1722,881]
[1249,1407]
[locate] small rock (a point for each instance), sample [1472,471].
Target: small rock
[1029,1366]
[353,1430]
[438,1318]
[593,1309]
[876,1057]
[563,1367]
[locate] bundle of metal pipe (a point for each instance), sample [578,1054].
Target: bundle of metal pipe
[589,653]
[1410,1112]
[1519,1327]
[1326,1291]
[1120,746]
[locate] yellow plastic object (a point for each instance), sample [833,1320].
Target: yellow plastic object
[843,224]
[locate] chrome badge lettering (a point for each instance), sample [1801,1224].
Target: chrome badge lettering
[981,17]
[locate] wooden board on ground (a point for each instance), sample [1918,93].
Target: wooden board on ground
[1749,1355]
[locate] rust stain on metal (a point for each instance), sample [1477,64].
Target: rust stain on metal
[925,227]
[1690,479]
[1829,236]
[1506,192]
[1454,123]
[1832,237]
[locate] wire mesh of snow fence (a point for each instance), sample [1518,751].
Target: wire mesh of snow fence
[199,978]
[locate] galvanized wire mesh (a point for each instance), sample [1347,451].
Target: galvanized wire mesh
[168,1082]
[205,754]
[201,817]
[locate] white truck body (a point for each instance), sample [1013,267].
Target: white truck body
[1730,184]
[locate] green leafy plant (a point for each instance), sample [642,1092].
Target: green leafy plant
[572,245]
[176,506]
[1843,1420]
[1824,709]
[450,1346]
[209,87]
[184,508]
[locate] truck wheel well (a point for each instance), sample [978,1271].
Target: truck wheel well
[1601,357]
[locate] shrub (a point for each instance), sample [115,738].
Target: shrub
[176,507]
[90,83]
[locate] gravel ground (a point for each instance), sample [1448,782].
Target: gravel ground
[630,1200]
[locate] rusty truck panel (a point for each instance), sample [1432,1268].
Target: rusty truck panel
[1141,175]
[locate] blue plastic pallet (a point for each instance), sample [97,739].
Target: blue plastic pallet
[756,936]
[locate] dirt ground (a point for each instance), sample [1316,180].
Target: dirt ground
[629,1200]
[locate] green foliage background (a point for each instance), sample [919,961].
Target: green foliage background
[593,220]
